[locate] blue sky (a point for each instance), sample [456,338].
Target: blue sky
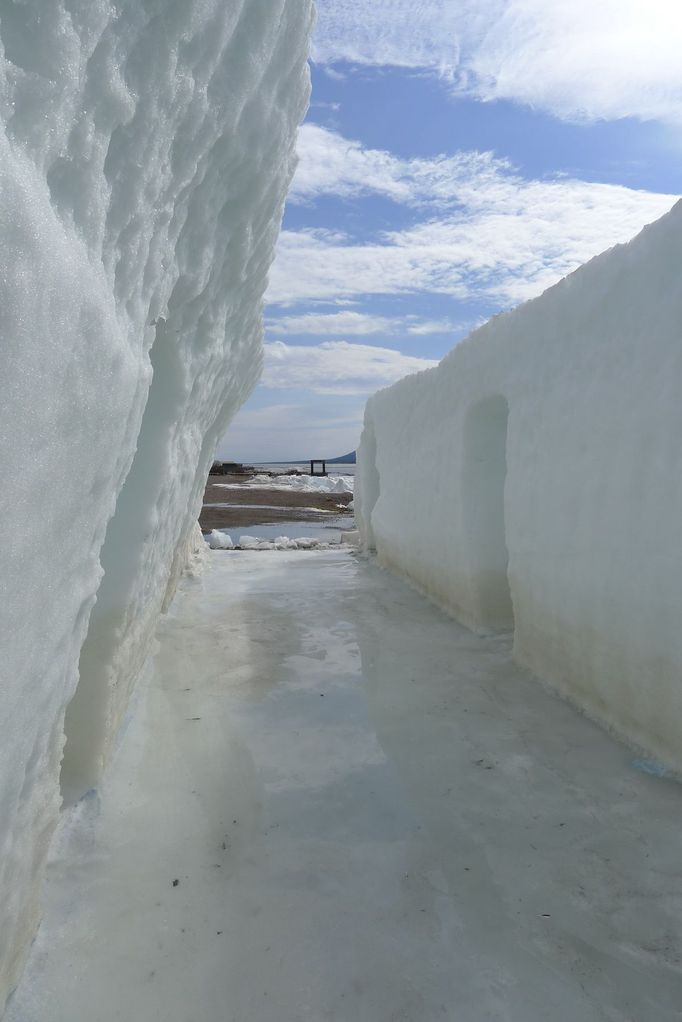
[459,156]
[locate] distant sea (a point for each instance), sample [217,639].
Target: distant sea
[304,466]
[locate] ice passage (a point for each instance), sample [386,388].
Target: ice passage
[146,147]
[145,150]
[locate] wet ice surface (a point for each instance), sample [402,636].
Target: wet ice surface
[327,530]
[371,815]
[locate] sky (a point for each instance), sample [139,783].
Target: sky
[458,158]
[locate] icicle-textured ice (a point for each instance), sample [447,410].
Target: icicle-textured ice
[145,151]
[541,484]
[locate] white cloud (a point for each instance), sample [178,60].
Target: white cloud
[330,164]
[357,324]
[336,367]
[585,60]
[319,324]
[320,104]
[336,76]
[496,236]
[436,326]
[577,60]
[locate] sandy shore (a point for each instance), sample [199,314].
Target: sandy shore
[247,506]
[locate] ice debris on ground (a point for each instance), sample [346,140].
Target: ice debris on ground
[296,484]
[553,433]
[218,540]
[145,154]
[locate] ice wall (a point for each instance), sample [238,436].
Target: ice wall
[540,484]
[145,151]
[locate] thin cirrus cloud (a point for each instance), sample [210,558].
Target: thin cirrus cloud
[578,61]
[321,427]
[336,367]
[358,324]
[334,378]
[291,416]
[399,33]
[484,231]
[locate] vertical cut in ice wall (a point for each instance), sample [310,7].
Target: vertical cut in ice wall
[541,484]
[483,479]
[145,150]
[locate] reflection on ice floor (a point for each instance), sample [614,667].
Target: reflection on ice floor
[327,529]
[335,803]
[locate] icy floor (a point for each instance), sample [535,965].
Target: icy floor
[333,803]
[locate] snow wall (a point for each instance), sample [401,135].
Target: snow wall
[145,151]
[533,481]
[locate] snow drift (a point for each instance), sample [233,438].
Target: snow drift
[218,540]
[295,484]
[145,151]
[554,435]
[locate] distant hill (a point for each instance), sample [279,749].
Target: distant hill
[346,459]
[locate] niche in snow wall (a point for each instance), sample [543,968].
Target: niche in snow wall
[540,484]
[146,147]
